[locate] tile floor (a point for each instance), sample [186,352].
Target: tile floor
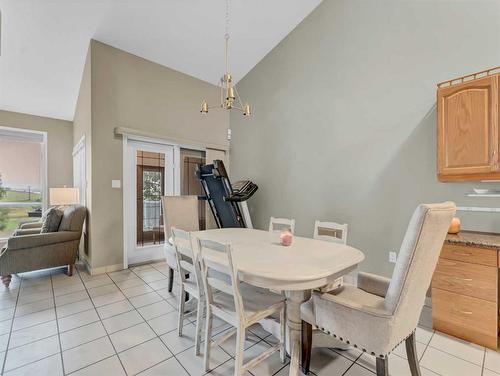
[124,323]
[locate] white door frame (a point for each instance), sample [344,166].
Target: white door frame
[149,252]
[129,233]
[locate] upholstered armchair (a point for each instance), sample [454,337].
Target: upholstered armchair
[180,212]
[29,249]
[379,314]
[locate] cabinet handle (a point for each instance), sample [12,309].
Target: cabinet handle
[460,253]
[465,312]
[464,279]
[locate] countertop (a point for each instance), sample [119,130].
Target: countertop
[480,239]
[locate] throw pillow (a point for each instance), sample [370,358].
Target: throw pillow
[51,219]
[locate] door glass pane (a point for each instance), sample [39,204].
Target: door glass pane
[20,180]
[150,188]
[190,185]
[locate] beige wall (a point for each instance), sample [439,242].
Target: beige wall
[129,91]
[82,127]
[59,143]
[344,124]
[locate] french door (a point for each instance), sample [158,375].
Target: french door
[150,175]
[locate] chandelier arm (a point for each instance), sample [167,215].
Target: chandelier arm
[238,97]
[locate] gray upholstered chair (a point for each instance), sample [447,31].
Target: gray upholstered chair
[29,250]
[378,314]
[180,212]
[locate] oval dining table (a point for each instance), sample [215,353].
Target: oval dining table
[296,269]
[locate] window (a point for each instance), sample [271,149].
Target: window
[190,185]
[22,178]
[150,188]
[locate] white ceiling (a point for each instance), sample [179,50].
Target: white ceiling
[44,42]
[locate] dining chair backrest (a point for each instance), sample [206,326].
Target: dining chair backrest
[218,272]
[417,259]
[330,232]
[187,262]
[180,212]
[279,224]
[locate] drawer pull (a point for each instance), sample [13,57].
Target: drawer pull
[463,279]
[460,253]
[465,312]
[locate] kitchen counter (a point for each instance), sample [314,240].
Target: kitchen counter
[475,238]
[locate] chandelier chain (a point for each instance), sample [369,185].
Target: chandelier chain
[227,20]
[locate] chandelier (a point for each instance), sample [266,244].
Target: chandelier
[229,97]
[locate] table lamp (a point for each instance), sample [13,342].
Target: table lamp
[64,196]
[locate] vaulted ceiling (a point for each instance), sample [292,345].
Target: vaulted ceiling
[44,42]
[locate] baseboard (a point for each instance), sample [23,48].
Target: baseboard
[105,269]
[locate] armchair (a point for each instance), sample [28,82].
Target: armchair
[378,314]
[29,250]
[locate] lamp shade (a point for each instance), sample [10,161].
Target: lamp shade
[64,196]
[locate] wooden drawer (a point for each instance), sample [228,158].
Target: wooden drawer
[474,280]
[472,254]
[465,317]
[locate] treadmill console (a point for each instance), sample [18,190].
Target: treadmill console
[242,190]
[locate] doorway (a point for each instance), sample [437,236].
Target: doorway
[150,175]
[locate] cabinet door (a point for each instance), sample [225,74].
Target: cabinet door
[468,127]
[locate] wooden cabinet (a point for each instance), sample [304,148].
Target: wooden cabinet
[468,127]
[465,293]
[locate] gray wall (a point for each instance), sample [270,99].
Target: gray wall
[344,124]
[128,91]
[59,143]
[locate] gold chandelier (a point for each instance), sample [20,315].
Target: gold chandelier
[229,97]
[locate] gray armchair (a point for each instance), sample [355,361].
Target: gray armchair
[29,250]
[380,313]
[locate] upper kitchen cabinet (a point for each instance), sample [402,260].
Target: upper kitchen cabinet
[468,134]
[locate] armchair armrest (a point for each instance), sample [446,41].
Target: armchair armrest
[39,240]
[373,284]
[30,225]
[26,231]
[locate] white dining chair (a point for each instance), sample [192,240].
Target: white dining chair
[335,233]
[380,313]
[331,232]
[279,224]
[180,212]
[238,304]
[188,266]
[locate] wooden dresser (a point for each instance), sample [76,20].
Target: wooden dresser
[465,288]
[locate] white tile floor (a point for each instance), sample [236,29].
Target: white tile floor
[124,323]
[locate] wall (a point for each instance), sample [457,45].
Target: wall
[59,144]
[129,91]
[82,127]
[344,124]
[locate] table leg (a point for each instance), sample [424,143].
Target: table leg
[293,302]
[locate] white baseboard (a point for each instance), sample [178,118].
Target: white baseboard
[105,269]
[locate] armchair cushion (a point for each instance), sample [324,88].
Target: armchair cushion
[39,240]
[51,219]
[373,284]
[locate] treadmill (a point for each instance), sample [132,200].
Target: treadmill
[227,202]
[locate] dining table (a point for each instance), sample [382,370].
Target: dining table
[296,269]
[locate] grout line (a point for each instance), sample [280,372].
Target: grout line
[11,326]
[484,359]
[105,330]
[57,322]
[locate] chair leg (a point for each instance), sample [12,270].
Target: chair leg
[71,268]
[411,353]
[306,347]
[6,280]
[282,335]
[240,348]
[170,279]
[199,322]
[208,336]
[180,317]
[382,366]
